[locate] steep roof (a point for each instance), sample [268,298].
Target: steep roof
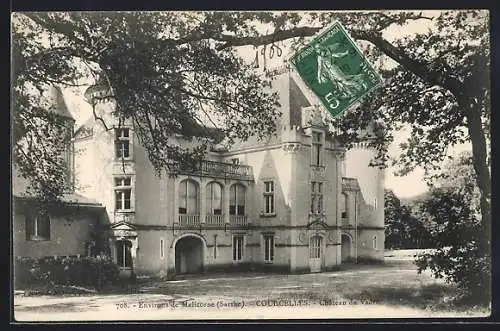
[350,184]
[58,103]
[297,101]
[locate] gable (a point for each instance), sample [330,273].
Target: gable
[85,130]
[121,226]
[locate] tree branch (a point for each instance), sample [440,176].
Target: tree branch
[420,69]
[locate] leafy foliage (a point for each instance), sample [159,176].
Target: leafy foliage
[161,82]
[42,145]
[402,229]
[70,270]
[455,230]
[165,69]
[451,214]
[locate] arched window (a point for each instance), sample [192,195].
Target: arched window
[123,254]
[188,197]
[344,205]
[214,198]
[237,200]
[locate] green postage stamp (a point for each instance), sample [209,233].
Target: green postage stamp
[335,69]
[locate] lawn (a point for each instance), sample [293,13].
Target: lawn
[393,289]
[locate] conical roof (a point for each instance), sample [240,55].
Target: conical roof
[58,103]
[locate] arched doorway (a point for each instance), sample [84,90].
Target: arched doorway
[346,248]
[189,255]
[316,253]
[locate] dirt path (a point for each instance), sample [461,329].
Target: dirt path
[393,290]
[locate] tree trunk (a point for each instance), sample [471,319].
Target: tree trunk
[483,178]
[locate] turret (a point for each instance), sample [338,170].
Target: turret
[59,107]
[370,178]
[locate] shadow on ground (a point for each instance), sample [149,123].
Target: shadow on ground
[59,307]
[430,297]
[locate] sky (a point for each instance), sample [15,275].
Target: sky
[406,186]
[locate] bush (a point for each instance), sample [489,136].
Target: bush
[70,270]
[463,265]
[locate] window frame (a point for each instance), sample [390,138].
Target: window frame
[317,198]
[36,227]
[315,251]
[317,148]
[269,249]
[235,248]
[209,197]
[126,251]
[187,198]
[162,248]
[215,247]
[234,209]
[269,198]
[120,139]
[123,187]
[344,203]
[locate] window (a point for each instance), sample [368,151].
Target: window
[123,191]
[122,143]
[38,228]
[344,205]
[69,164]
[269,248]
[215,246]
[316,148]
[269,197]
[315,248]
[237,200]
[214,198]
[316,198]
[237,248]
[374,242]
[123,254]
[188,197]
[162,248]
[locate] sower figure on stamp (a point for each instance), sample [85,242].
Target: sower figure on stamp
[347,86]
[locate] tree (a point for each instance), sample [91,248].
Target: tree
[402,229]
[163,85]
[188,60]
[452,215]
[394,229]
[456,233]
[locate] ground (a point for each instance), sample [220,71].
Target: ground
[392,289]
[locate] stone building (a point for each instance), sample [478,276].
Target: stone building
[297,202]
[68,227]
